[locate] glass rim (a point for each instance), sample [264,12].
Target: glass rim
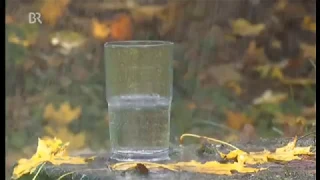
[137,43]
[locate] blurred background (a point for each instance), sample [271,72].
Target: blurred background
[243,69]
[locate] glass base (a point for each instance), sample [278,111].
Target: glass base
[142,155]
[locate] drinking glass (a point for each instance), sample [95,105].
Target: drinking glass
[139,95]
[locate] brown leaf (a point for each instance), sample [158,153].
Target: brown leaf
[308,24]
[225,73]
[121,28]
[28,64]
[244,28]
[248,133]
[9,19]
[79,73]
[169,17]
[191,106]
[54,62]
[309,51]
[292,125]
[309,112]
[52,10]
[237,120]
[254,55]
[146,13]
[142,169]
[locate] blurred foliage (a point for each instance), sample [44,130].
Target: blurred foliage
[242,69]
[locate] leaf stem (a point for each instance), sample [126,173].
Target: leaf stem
[207,138]
[40,168]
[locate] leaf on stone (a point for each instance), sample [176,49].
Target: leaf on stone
[48,150]
[141,169]
[243,27]
[211,167]
[287,153]
[123,166]
[239,157]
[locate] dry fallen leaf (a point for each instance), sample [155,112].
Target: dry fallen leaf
[292,125]
[121,28]
[235,87]
[268,97]
[13,38]
[9,19]
[254,55]
[100,30]
[224,73]
[309,51]
[211,167]
[237,120]
[287,153]
[244,28]
[309,24]
[52,10]
[64,116]
[48,150]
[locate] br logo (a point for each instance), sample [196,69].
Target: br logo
[34,17]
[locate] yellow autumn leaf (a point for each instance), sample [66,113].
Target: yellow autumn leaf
[52,10]
[64,116]
[247,158]
[48,150]
[67,114]
[210,167]
[100,30]
[291,148]
[308,24]
[235,87]
[287,153]
[49,112]
[244,28]
[128,165]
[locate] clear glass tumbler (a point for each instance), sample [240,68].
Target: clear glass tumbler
[139,94]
